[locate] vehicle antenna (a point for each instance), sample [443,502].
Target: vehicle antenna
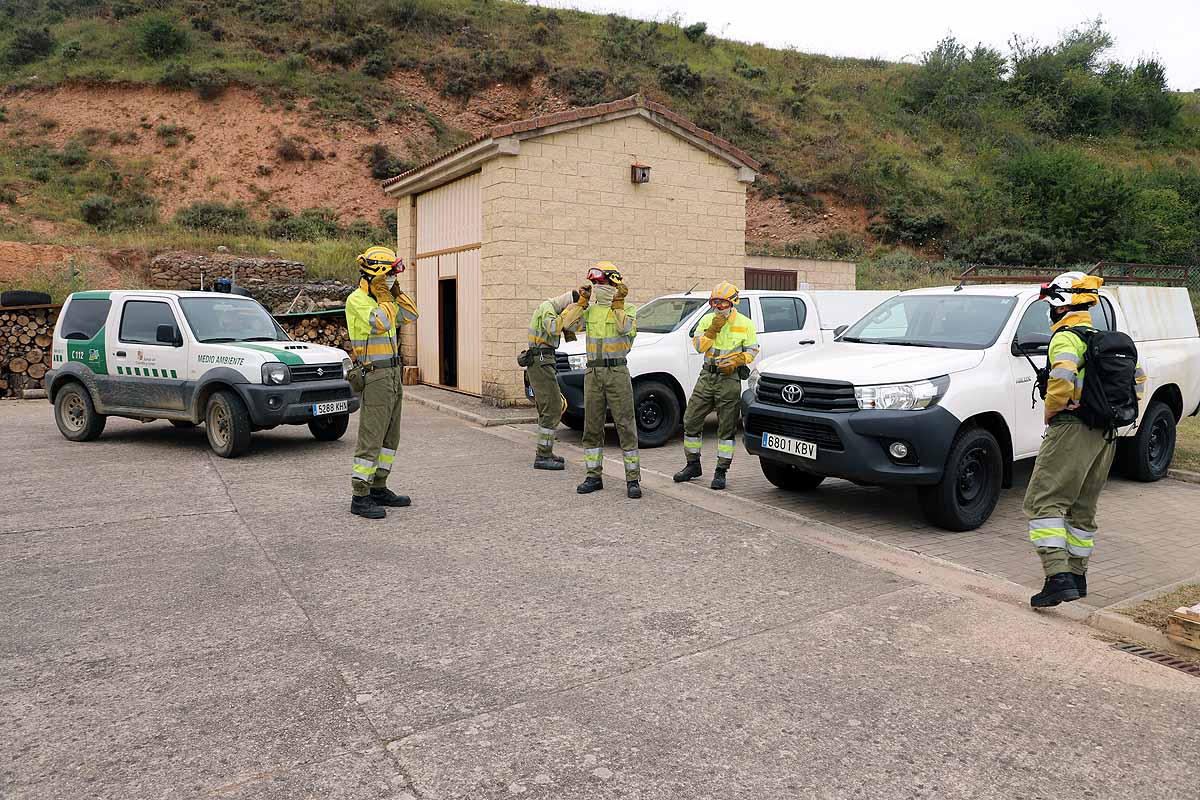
[689,291]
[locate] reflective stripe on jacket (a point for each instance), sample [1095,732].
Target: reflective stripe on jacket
[736,336]
[372,325]
[1066,357]
[545,326]
[610,333]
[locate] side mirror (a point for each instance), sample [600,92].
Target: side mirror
[1026,349]
[167,334]
[839,330]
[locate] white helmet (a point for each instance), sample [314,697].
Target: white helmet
[1072,288]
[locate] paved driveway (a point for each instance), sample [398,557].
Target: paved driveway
[1148,538]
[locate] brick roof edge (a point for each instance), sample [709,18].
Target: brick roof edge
[589,112]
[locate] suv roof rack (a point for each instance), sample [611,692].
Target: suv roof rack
[1113,272]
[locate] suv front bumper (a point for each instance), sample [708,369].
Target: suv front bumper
[854,444]
[292,404]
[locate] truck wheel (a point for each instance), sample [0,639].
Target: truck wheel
[329,429]
[573,421]
[76,415]
[228,424]
[970,486]
[656,411]
[785,476]
[1146,456]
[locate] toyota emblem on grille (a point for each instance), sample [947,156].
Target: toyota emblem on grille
[320,371]
[791,393]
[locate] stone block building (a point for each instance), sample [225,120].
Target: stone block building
[498,224]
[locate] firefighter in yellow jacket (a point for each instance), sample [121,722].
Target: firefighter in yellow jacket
[374,311]
[1073,462]
[728,342]
[545,332]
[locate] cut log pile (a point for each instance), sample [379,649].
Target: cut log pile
[327,329]
[26,335]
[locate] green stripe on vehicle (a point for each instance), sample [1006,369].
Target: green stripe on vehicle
[173,375]
[97,295]
[291,359]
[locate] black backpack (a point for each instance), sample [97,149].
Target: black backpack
[1109,399]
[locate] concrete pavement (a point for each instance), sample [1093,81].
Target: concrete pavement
[177,625]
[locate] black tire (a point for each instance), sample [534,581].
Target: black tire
[573,421]
[228,424]
[1146,456]
[183,423]
[75,414]
[21,297]
[656,412]
[785,476]
[329,429]
[971,483]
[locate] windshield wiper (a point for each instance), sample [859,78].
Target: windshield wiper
[218,340]
[259,339]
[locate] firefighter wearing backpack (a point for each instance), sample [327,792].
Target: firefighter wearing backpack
[1077,451]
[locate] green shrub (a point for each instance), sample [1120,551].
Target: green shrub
[74,155]
[909,223]
[747,70]
[171,134]
[29,45]
[1004,246]
[158,37]
[98,210]
[630,41]
[390,218]
[378,65]
[290,149]
[582,87]
[679,79]
[216,217]
[696,31]
[310,225]
[8,195]
[383,164]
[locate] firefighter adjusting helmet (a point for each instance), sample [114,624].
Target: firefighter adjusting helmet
[606,272]
[379,260]
[1072,288]
[724,291]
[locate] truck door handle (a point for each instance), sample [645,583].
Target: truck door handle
[807,341]
[121,353]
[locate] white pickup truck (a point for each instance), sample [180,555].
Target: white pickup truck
[191,358]
[664,364]
[931,390]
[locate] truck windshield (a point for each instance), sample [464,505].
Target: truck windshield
[957,322]
[666,314]
[226,319]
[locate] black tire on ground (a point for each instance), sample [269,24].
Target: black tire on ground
[228,424]
[329,429]
[1146,456]
[970,486]
[183,423]
[76,415]
[785,476]
[573,421]
[656,411]
[21,297]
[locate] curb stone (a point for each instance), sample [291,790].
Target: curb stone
[470,416]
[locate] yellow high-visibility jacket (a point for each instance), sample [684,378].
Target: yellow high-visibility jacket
[372,324]
[735,344]
[546,326]
[1065,386]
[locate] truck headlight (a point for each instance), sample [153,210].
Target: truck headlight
[276,374]
[902,396]
[577,361]
[345,367]
[752,382]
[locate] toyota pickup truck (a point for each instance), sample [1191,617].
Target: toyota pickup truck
[191,358]
[664,365]
[933,390]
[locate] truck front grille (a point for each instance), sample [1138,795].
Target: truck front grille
[815,395]
[822,434]
[561,362]
[316,372]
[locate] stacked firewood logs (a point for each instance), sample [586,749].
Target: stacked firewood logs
[326,329]
[25,338]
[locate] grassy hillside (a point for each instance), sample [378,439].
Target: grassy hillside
[1045,154]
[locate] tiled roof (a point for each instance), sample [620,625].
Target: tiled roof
[585,113]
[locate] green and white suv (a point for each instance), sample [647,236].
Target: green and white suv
[191,358]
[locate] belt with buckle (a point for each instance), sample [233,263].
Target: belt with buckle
[607,362]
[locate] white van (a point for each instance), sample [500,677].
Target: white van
[664,365]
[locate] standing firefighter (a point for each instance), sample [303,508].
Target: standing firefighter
[372,313]
[1094,387]
[545,330]
[729,344]
[607,388]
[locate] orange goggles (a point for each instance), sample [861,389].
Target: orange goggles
[597,276]
[720,304]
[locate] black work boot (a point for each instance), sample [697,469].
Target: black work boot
[364,506]
[1059,588]
[1080,584]
[692,470]
[549,462]
[718,481]
[633,490]
[589,485]
[386,497]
